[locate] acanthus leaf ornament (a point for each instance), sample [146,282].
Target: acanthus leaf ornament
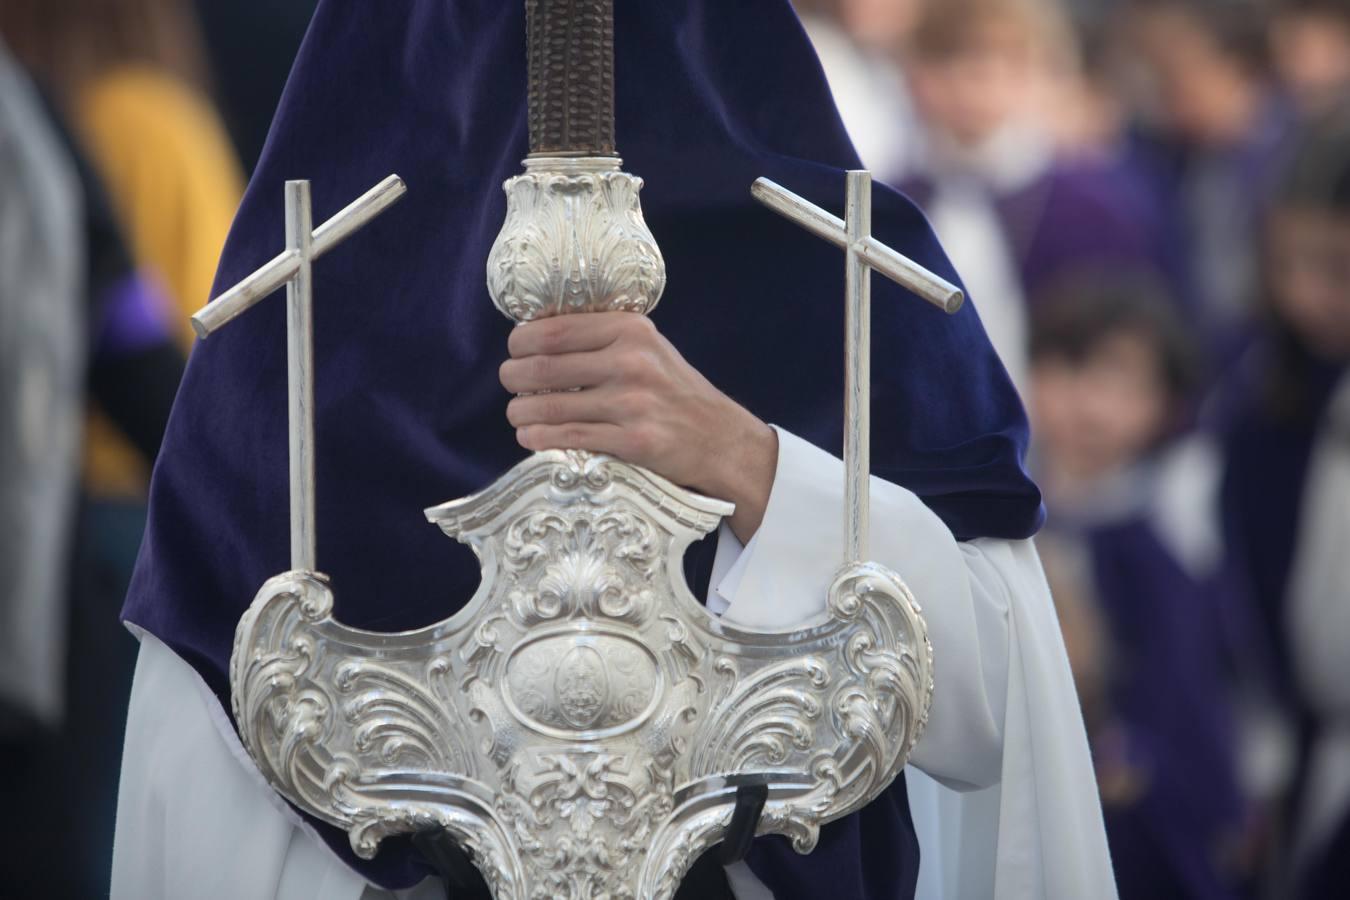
[582,723]
[574,240]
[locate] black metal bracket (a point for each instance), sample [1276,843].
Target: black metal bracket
[750,800]
[455,865]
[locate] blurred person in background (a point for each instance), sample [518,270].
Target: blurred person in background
[1214,133]
[1310,49]
[79,323]
[859,43]
[127,75]
[1133,551]
[130,76]
[1287,489]
[42,333]
[1014,215]
[154,167]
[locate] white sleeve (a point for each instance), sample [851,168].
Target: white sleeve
[1005,717]
[194,816]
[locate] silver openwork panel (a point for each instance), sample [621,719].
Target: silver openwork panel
[583,723]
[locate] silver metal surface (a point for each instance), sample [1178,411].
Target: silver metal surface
[300,374]
[574,240]
[857,368]
[283,267]
[294,268]
[582,724]
[861,253]
[895,266]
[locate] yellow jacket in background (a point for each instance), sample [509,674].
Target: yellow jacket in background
[175,184]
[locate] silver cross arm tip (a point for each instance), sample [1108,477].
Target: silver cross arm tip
[283,267]
[898,268]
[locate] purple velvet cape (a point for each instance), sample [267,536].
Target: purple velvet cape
[711,95]
[1171,637]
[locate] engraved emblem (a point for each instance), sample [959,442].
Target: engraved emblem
[581,724]
[582,686]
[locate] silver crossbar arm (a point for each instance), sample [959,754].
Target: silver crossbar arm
[895,266]
[285,265]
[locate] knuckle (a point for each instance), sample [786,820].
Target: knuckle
[632,404]
[552,408]
[633,365]
[642,442]
[572,437]
[551,334]
[635,330]
[640,325]
[540,368]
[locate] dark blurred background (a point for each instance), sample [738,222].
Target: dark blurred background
[1149,201]
[127,129]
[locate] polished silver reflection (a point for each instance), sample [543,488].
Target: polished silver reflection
[574,241]
[582,724]
[293,268]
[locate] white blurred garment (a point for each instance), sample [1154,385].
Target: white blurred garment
[1319,623]
[42,363]
[966,184]
[872,98]
[964,218]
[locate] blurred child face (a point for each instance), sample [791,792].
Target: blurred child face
[974,91]
[1310,278]
[883,24]
[1186,79]
[1312,55]
[1096,415]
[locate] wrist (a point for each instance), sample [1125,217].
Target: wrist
[745,474]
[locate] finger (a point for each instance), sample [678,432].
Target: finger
[562,407]
[555,372]
[572,333]
[599,437]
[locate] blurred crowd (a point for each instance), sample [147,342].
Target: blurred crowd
[126,130]
[1148,200]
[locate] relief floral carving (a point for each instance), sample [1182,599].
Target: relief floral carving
[575,725]
[574,241]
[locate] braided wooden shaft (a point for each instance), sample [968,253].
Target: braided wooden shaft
[571,77]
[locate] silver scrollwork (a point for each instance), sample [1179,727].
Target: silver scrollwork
[583,723]
[574,240]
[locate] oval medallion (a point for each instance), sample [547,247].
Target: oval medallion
[569,682]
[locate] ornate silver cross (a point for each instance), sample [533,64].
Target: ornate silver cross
[583,725]
[862,254]
[293,268]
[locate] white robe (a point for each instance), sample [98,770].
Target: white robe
[1001,784]
[1318,611]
